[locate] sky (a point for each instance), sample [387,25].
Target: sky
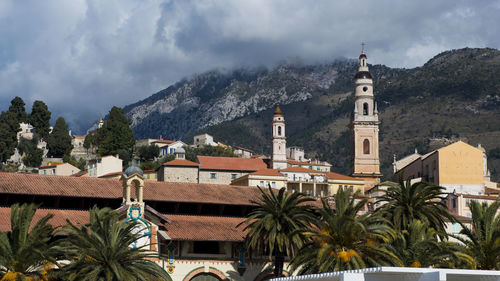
[81,57]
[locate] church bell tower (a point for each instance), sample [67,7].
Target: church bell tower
[364,128]
[278,141]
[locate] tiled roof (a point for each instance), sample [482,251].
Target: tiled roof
[231,163]
[164,141]
[51,165]
[80,174]
[335,176]
[111,174]
[473,196]
[267,172]
[295,162]
[60,216]
[205,228]
[177,162]
[34,184]
[300,170]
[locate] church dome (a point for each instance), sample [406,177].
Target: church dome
[133,169]
[362,56]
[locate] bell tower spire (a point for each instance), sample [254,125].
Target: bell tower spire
[278,140]
[364,127]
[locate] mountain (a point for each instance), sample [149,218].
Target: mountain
[454,95]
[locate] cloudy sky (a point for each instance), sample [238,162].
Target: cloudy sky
[83,56]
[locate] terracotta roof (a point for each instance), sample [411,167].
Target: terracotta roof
[478,196]
[79,174]
[181,227]
[231,163]
[111,174]
[34,184]
[300,170]
[205,228]
[267,172]
[50,166]
[177,162]
[164,141]
[488,190]
[295,162]
[60,216]
[335,176]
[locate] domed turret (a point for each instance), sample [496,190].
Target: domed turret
[133,169]
[277,111]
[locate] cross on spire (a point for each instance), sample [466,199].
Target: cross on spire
[363,47]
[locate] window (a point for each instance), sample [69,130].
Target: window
[454,203]
[44,172]
[455,228]
[233,176]
[53,171]
[213,175]
[206,247]
[261,183]
[273,184]
[468,215]
[366,146]
[279,130]
[365,108]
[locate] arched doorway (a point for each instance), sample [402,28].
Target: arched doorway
[206,277]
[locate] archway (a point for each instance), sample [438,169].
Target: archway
[206,277]
[366,146]
[199,274]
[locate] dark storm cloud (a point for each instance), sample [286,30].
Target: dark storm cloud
[82,57]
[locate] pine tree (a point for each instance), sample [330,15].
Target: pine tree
[115,136]
[59,141]
[40,119]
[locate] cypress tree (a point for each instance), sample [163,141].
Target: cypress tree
[18,110]
[40,119]
[115,136]
[8,135]
[59,141]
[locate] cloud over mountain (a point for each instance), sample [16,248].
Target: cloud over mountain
[83,56]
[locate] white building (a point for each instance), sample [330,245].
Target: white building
[104,166]
[203,139]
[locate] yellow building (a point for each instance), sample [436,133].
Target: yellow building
[458,167]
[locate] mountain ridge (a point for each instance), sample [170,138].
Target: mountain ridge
[236,107]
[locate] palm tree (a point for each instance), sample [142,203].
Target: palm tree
[344,239]
[483,240]
[405,202]
[102,251]
[419,246]
[277,223]
[27,247]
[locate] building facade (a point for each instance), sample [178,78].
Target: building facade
[458,167]
[105,165]
[58,169]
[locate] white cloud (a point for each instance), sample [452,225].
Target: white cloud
[83,56]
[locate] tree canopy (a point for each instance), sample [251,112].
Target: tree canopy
[59,140]
[40,119]
[115,136]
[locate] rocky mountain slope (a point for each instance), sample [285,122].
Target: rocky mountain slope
[454,95]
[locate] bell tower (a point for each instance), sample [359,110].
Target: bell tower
[278,140]
[364,128]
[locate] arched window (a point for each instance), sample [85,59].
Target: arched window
[366,146]
[279,130]
[365,108]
